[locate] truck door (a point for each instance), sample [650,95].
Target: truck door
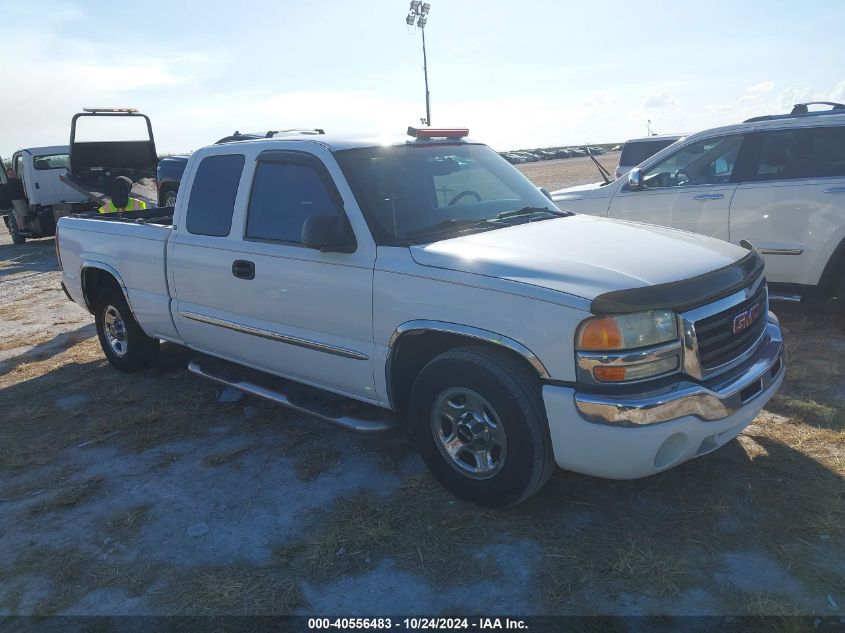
[45,185]
[262,298]
[689,189]
[791,203]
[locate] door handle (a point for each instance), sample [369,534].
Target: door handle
[835,190]
[709,196]
[242,269]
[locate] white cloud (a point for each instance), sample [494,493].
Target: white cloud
[659,100]
[764,86]
[838,93]
[601,100]
[748,99]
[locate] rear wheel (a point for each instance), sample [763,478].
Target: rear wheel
[122,339]
[14,231]
[478,420]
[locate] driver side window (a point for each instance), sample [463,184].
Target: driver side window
[706,162]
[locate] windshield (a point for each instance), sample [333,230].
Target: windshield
[51,161]
[416,193]
[635,152]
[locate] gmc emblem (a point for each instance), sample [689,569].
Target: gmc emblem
[746,318]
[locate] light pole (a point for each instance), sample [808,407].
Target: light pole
[419,13]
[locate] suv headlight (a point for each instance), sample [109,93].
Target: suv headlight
[628,347]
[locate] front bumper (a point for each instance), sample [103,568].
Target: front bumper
[625,437]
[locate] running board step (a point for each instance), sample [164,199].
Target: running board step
[300,398]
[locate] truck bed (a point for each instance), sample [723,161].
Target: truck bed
[132,247]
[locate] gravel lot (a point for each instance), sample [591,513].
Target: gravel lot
[143,494]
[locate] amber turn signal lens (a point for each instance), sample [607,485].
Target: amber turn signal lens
[601,334]
[609,374]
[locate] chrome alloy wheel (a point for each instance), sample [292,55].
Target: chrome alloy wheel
[115,331]
[469,433]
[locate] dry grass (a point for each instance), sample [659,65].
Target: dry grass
[134,414]
[312,463]
[69,496]
[125,524]
[73,574]
[224,457]
[238,590]
[421,527]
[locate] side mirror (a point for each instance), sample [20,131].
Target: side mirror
[545,192]
[328,233]
[720,167]
[635,179]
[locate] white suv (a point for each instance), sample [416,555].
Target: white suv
[775,181]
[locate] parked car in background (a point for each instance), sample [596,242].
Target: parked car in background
[775,181]
[637,150]
[171,168]
[430,281]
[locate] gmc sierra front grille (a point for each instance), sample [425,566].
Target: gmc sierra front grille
[728,335]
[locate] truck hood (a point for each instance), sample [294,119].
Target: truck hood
[582,255]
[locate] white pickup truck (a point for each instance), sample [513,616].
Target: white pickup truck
[425,278]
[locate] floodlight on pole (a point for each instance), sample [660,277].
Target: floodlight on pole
[418,13]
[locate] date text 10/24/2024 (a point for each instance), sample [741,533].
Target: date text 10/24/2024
[418,623]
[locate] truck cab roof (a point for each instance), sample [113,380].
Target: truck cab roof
[339,142]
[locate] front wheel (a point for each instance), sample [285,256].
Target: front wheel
[122,339]
[479,422]
[169,198]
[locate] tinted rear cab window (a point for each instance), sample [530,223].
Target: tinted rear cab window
[213,193]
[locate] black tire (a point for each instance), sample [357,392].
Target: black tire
[130,349]
[168,198]
[515,395]
[14,231]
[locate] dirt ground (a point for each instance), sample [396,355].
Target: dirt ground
[143,494]
[568,172]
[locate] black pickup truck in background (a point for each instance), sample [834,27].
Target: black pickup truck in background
[170,169]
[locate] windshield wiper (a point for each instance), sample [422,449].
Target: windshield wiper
[529,211]
[459,225]
[452,225]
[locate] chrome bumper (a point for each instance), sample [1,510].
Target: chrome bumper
[710,400]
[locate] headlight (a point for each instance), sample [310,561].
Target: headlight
[628,347]
[628,331]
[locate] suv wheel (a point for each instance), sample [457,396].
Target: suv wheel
[479,422]
[122,339]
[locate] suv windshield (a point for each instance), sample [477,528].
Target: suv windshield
[416,193]
[635,152]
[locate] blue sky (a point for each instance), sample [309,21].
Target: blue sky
[518,73]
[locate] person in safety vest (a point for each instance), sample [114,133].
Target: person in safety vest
[120,199]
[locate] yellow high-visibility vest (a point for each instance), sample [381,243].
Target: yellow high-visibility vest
[132,205]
